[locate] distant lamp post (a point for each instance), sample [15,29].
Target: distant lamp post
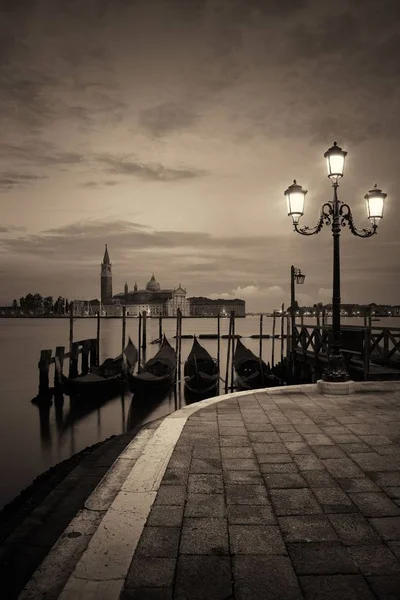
[296,276]
[337,214]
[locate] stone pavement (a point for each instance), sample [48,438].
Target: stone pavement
[281,494]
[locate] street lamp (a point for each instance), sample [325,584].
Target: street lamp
[337,214]
[296,276]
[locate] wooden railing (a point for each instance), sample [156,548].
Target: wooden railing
[365,348]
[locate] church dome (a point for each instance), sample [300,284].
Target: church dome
[153,285]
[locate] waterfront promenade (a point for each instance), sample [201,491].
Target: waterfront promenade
[279,493]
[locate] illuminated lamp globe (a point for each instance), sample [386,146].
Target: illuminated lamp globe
[295,197]
[335,161]
[375,204]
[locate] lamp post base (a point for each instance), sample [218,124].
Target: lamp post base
[336,371]
[336,387]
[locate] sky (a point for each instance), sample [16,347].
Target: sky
[169,129]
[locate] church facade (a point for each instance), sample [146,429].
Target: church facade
[154,300]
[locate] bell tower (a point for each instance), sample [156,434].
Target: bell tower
[106,279]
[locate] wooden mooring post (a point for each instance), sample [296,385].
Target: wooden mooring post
[71,327]
[233,346]
[123,338]
[160,332]
[218,341]
[273,339]
[282,330]
[179,316]
[73,361]
[144,334]
[58,366]
[44,365]
[98,337]
[261,336]
[228,355]
[139,342]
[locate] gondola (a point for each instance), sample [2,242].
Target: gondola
[252,372]
[200,371]
[104,379]
[157,374]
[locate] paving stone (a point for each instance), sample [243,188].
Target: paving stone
[204,536]
[205,505]
[205,465]
[294,502]
[308,429]
[285,428]
[240,464]
[147,594]
[335,430]
[328,451]
[231,452]
[321,559]
[392,450]
[353,529]
[246,494]
[291,437]
[317,479]
[387,527]
[239,441]
[308,462]
[175,477]
[392,492]
[229,431]
[343,467]
[261,577]
[375,560]
[376,440]
[274,448]
[385,587]
[267,437]
[289,467]
[208,452]
[275,458]
[334,500]
[335,587]
[386,479]
[395,548]
[205,483]
[307,528]
[374,504]
[203,577]
[376,462]
[256,539]
[159,542]
[250,514]
[346,438]
[298,448]
[167,516]
[171,494]
[150,572]
[360,484]
[355,448]
[246,477]
[317,439]
[285,480]
[259,427]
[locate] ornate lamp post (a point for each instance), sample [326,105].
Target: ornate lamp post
[337,214]
[296,276]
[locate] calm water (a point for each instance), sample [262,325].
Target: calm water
[32,441]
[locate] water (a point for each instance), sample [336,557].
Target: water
[33,440]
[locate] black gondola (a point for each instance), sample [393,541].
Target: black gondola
[104,379]
[201,370]
[157,374]
[252,372]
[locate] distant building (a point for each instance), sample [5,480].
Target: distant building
[206,307]
[153,300]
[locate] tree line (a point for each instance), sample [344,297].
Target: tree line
[41,305]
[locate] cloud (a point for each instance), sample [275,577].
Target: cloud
[94,184]
[166,118]
[10,180]
[10,228]
[148,172]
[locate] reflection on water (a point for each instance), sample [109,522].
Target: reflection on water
[42,436]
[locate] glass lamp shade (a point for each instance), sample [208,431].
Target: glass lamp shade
[300,278]
[295,196]
[375,204]
[335,161]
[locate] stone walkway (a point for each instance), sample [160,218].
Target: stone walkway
[279,494]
